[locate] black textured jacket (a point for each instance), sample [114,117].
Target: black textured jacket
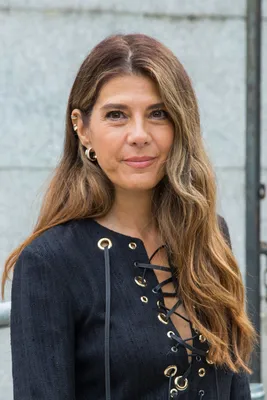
[90,324]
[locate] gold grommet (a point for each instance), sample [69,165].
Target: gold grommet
[162,317]
[207,359]
[171,370]
[202,338]
[201,372]
[140,281]
[177,383]
[159,304]
[104,242]
[144,299]
[195,329]
[132,245]
[170,334]
[172,392]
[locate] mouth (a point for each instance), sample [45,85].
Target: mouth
[139,162]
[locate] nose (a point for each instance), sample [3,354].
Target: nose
[138,135]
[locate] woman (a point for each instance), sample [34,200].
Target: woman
[128,288]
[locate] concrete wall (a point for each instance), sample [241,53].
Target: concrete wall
[41,47]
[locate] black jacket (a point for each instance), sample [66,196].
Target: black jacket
[83,328]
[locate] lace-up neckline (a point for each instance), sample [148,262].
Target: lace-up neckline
[197,350]
[172,309]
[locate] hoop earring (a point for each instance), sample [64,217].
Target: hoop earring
[90,154]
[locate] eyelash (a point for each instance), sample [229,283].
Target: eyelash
[118,111]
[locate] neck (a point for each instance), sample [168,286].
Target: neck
[131,214]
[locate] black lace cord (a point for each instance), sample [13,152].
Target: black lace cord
[156,251]
[157,288]
[170,386]
[201,394]
[107,324]
[183,377]
[194,351]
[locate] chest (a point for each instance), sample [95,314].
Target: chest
[179,316]
[141,347]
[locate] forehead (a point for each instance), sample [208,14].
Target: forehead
[128,87]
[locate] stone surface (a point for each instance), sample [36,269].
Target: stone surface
[20,198]
[6,390]
[231,205]
[172,7]
[36,87]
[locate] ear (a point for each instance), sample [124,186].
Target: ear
[80,128]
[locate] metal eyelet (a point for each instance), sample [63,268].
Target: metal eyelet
[140,281]
[195,329]
[178,385]
[170,334]
[159,304]
[162,317]
[202,338]
[207,359]
[171,370]
[132,245]
[201,372]
[136,264]
[174,349]
[198,358]
[154,291]
[144,299]
[104,242]
[173,392]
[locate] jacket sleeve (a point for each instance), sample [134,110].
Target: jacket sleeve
[225,231]
[42,332]
[240,389]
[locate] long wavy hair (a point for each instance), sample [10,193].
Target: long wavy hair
[184,202]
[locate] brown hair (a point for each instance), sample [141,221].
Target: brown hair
[210,282]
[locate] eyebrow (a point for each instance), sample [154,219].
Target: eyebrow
[125,107]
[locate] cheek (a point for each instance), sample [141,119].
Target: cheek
[108,152]
[166,141]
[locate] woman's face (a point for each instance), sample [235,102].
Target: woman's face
[130,132]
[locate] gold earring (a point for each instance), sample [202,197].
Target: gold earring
[75,127]
[90,154]
[74,117]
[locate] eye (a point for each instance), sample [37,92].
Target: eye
[114,115]
[160,114]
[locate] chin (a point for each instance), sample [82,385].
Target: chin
[138,186]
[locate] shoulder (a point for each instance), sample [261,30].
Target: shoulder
[56,252]
[59,246]
[224,229]
[62,238]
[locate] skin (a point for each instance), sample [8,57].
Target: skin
[128,132]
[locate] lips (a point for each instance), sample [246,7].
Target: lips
[139,162]
[139,159]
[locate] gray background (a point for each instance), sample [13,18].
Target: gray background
[42,44]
